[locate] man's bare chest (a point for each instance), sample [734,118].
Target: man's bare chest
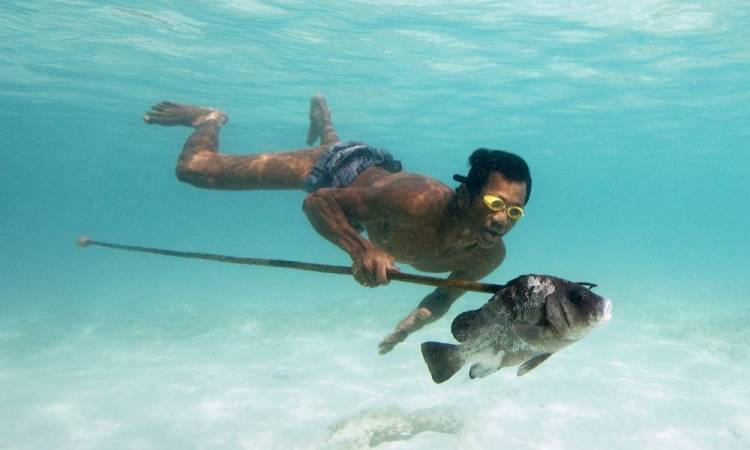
[425,248]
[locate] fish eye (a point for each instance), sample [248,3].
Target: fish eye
[575,296]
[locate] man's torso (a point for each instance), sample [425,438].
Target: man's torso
[421,237]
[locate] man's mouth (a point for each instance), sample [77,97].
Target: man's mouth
[490,236]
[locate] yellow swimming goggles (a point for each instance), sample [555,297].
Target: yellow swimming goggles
[497,204]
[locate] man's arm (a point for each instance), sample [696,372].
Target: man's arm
[430,309]
[330,212]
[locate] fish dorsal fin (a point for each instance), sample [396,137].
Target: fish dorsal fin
[462,323]
[532,363]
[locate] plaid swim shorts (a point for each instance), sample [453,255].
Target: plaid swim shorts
[340,165]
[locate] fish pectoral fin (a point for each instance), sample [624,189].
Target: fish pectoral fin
[532,333]
[532,363]
[443,360]
[481,370]
[488,363]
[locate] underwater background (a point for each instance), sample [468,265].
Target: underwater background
[633,116]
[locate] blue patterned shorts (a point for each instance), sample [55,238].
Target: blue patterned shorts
[340,165]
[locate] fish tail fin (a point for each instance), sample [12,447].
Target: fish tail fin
[443,360]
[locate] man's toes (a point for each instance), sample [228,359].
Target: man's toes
[317,100]
[167,106]
[155,116]
[152,116]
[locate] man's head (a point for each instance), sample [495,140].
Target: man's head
[485,161]
[493,194]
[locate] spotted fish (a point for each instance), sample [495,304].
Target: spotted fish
[529,319]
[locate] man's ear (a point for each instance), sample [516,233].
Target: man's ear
[462,195]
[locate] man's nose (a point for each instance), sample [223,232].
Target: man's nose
[501,218]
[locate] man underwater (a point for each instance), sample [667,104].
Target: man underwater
[353,187]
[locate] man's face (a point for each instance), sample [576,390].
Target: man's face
[489,225]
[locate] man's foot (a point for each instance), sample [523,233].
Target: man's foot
[320,118]
[170,114]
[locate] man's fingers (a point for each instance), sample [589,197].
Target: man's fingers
[359,275]
[382,275]
[373,271]
[385,347]
[390,341]
[365,278]
[372,278]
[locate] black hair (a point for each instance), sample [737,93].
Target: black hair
[484,161]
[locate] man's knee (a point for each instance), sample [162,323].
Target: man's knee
[186,171]
[189,172]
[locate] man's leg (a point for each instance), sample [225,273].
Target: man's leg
[200,163]
[320,123]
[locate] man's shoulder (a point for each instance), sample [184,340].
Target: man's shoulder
[413,184]
[402,197]
[418,194]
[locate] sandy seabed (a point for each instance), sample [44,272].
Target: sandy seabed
[295,376]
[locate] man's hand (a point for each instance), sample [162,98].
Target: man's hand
[370,268]
[414,321]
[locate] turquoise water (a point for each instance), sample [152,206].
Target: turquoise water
[632,115]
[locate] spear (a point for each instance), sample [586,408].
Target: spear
[465,285]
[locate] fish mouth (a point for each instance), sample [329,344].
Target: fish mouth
[604,311]
[567,321]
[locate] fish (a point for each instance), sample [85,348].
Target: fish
[527,321]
